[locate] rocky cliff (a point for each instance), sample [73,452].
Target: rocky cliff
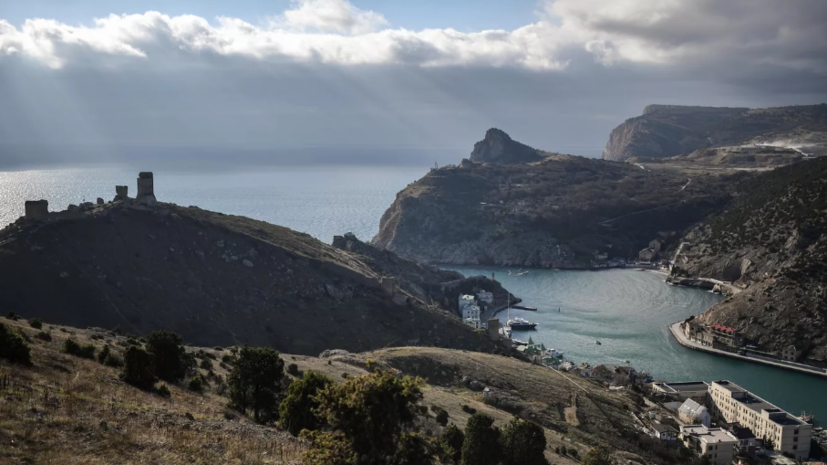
[669,130]
[771,241]
[498,147]
[557,213]
[217,279]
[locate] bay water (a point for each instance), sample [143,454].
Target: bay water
[628,311]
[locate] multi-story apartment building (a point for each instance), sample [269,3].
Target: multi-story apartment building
[715,444]
[769,423]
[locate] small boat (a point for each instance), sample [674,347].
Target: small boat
[520,324]
[627,361]
[598,343]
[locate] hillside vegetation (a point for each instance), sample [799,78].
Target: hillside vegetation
[552,213]
[772,240]
[218,279]
[68,409]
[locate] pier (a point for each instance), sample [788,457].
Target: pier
[675,328]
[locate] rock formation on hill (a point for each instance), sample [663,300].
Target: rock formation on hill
[669,130]
[498,147]
[218,279]
[561,212]
[772,241]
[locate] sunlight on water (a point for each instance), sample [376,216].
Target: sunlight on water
[322,201]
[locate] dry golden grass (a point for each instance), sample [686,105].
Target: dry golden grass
[67,410]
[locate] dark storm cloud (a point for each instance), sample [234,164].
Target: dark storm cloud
[183,89]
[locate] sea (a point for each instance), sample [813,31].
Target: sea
[628,311]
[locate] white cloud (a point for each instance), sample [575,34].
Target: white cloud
[333,16]
[657,32]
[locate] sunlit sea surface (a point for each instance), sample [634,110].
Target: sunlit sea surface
[627,311]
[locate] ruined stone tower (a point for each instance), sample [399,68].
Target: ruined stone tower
[37,209]
[121,192]
[146,189]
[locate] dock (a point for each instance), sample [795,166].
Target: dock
[524,307]
[675,329]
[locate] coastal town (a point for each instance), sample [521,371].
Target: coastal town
[718,421]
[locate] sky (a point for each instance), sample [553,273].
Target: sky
[380,81]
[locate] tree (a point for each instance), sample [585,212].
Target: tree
[413,449]
[482,441]
[451,441]
[598,456]
[13,347]
[296,410]
[138,369]
[329,448]
[524,443]
[170,360]
[371,410]
[255,382]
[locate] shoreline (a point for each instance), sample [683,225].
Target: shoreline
[674,328]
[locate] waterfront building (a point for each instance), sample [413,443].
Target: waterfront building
[716,336]
[790,353]
[694,413]
[646,255]
[716,444]
[485,297]
[470,311]
[778,429]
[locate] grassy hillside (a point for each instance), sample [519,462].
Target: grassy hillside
[65,409]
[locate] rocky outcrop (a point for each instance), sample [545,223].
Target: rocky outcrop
[562,212]
[498,147]
[670,130]
[772,242]
[218,279]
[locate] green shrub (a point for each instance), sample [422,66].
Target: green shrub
[205,364]
[13,316]
[296,411]
[482,441]
[469,410]
[293,369]
[44,336]
[71,347]
[598,456]
[371,411]
[139,368]
[170,360]
[196,384]
[105,352]
[451,442]
[35,323]
[226,358]
[163,391]
[441,415]
[524,443]
[218,348]
[255,382]
[13,347]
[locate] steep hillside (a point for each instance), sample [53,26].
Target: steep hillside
[66,409]
[555,213]
[669,130]
[772,241]
[215,279]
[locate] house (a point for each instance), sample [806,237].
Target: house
[485,297]
[469,311]
[646,255]
[716,444]
[747,442]
[790,353]
[693,413]
[656,245]
[664,432]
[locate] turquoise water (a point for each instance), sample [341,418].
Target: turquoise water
[629,311]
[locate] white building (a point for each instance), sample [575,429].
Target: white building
[471,316]
[694,413]
[485,297]
[470,311]
[713,443]
[785,432]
